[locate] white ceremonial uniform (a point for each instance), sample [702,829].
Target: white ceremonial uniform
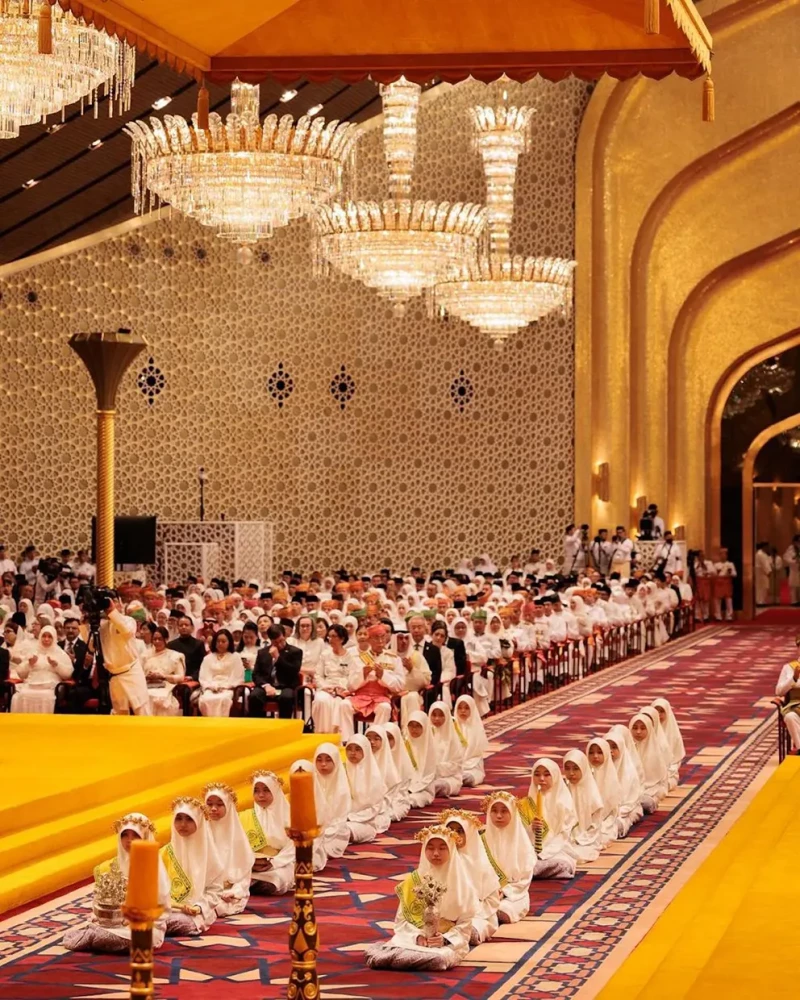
[786,684]
[669,552]
[574,556]
[621,555]
[763,568]
[729,570]
[127,687]
[791,558]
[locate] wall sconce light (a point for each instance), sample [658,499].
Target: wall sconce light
[601,486]
[641,507]
[680,533]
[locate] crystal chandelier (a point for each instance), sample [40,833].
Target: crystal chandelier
[497,292]
[241,177]
[400,247]
[769,378]
[49,59]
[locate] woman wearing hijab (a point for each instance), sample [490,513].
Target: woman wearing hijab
[41,665]
[431,945]
[663,746]
[586,838]
[163,669]
[598,753]
[467,828]
[511,854]
[221,672]
[367,791]
[232,845]
[423,759]
[319,858]
[332,794]
[655,768]
[106,931]
[449,751]
[672,733]
[398,801]
[552,829]
[265,825]
[472,735]
[328,708]
[402,761]
[194,869]
[631,791]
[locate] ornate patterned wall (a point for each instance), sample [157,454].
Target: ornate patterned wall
[365,438]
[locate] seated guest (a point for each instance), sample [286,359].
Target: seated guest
[248,649]
[368,812]
[587,839]
[401,758]
[41,665]
[442,941]
[449,751]
[106,930]
[333,800]
[663,746]
[672,732]
[415,672]
[276,675]
[220,674]
[470,730]
[440,660]
[265,825]
[511,855]
[10,630]
[549,829]
[788,688]
[423,759]
[630,807]
[305,639]
[233,848]
[329,708]
[654,766]
[467,828]
[194,869]
[372,679]
[192,649]
[163,669]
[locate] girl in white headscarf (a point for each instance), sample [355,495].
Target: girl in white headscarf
[194,868]
[106,930]
[26,607]
[41,665]
[432,945]
[397,798]
[232,846]
[449,751]
[586,838]
[265,825]
[631,791]
[661,741]
[672,733]
[471,733]
[548,816]
[423,758]
[402,761]
[367,790]
[334,804]
[605,775]
[467,828]
[511,855]
[654,764]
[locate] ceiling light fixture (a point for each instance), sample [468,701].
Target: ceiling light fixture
[52,129]
[243,177]
[162,102]
[288,95]
[96,144]
[29,184]
[315,110]
[49,58]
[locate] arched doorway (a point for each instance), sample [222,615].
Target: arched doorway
[770,479]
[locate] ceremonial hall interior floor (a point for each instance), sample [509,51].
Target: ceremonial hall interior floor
[578,933]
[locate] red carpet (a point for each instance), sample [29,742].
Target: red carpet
[719,685]
[784,615]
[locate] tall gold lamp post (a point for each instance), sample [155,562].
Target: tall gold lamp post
[107,357]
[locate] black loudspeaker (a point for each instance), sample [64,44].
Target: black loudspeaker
[134,540]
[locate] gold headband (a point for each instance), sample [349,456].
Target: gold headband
[436,831]
[191,801]
[505,797]
[140,822]
[460,816]
[219,786]
[257,775]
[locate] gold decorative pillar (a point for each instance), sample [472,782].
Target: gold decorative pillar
[107,357]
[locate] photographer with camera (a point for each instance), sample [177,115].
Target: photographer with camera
[127,685]
[601,552]
[575,545]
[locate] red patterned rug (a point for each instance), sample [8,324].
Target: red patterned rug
[719,682]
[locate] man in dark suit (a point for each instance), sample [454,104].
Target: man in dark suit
[194,650]
[78,651]
[276,675]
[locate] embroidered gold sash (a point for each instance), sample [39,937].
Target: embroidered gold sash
[180,885]
[255,834]
[460,735]
[527,809]
[411,905]
[492,861]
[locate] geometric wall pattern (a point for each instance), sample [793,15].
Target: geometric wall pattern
[365,438]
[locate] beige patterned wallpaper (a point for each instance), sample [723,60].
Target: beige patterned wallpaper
[367,439]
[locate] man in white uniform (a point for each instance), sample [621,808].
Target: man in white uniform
[621,553]
[763,568]
[788,688]
[791,558]
[574,554]
[127,686]
[668,556]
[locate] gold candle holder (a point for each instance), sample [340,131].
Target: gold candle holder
[303,931]
[141,925]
